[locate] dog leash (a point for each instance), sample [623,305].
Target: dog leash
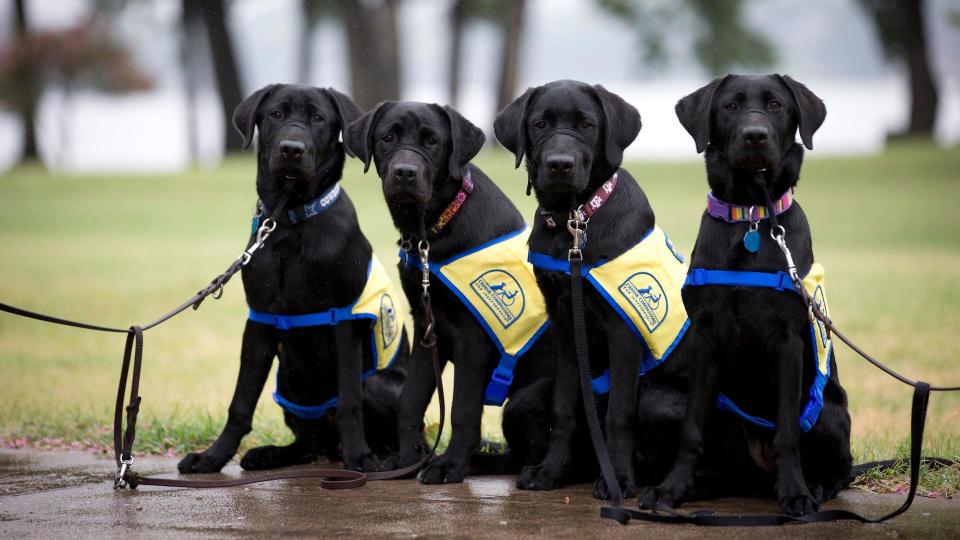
[616,511]
[123,440]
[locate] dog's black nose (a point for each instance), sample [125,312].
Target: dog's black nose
[560,163]
[292,150]
[405,174]
[755,135]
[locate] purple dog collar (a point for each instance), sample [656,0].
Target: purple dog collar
[733,213]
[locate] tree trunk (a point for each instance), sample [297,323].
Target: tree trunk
[374,60]
[305,52]
[225,66]
[28,115]
[191,22]
[923,89]
[457,20]
[510,62]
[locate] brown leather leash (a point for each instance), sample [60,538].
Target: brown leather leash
[123,439]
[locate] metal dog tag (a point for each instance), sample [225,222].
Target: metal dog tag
[751,240]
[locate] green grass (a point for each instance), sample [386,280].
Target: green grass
[117,249]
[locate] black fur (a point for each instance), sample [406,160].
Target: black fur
[755,342]
[304,268]
[589,127]
[421,152]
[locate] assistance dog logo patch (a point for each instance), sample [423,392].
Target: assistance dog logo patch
[646,295]
[500,292]
[389,327]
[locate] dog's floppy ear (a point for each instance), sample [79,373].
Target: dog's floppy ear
[510,126]
[245,115]
[358,135]
[346,108]
[622,124]
[466,140]
[694,112]
[810,108]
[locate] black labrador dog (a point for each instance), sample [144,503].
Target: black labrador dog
[422,154]
[316,260]
[759,347]
[573,136]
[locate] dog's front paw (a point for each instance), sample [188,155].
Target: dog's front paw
[399,461]
[541,477]
[662,496]
[627,487]
[364,462]
[272,457]
[443,471]
[798,504]
[208,461]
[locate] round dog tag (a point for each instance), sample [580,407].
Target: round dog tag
[751,240]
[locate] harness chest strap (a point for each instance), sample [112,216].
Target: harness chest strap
[376,303]
[814,283]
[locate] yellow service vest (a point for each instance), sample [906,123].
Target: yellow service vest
[497,285]
[642,285]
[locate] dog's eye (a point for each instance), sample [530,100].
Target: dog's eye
[317,118]
[540,124]
[732,106]
[585,125]
[431,140]
[774,106]
[276,114]
[388,137]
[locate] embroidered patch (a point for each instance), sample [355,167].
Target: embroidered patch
[500,292]
[389,328]
[646,295]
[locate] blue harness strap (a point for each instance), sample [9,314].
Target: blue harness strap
[309,412]
[331,317]
[779,281]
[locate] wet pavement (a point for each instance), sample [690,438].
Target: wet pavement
[61,494]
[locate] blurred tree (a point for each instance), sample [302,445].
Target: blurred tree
[313,11]
[28,108]
[80,57]
[372,41]
[902,32]
[723,42]
[226,68]
[506,14]
[191,42]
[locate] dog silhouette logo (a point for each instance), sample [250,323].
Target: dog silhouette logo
[645,294]
[389,326]
[501,293]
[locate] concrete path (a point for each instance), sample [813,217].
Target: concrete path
[61,494]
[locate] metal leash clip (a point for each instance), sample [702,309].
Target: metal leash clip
[578,228]
[120,481]
[263,233]
[423,247]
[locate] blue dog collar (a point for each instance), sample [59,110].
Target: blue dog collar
[305,212]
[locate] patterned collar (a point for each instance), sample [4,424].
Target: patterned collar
[307,211]
[589,208]
[732,213]
[466,188]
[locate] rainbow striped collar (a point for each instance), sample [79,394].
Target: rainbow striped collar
[733,213]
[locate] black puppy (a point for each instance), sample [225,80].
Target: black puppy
[762,359]
[573,136]
[489,314]
[318,297]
